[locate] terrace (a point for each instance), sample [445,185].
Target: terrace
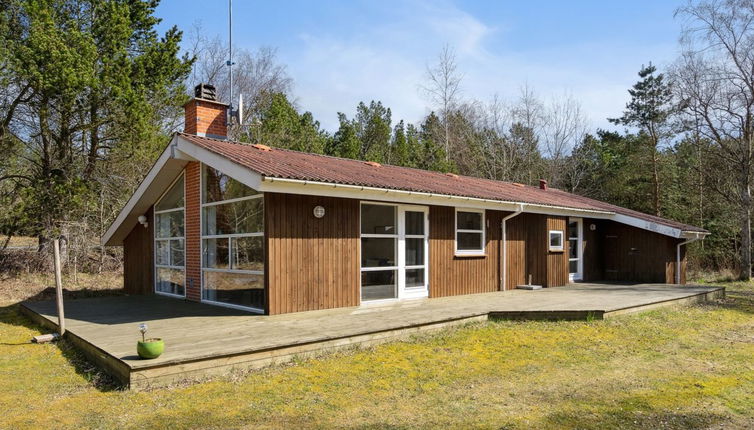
[204,340]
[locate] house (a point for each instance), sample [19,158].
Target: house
[275,231]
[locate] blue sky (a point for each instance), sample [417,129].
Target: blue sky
[343,52]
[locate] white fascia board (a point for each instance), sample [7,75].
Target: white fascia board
[295,186]
[236,171]
[696,235]
[167,167]
[647,225]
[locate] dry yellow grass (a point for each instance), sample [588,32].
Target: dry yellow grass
[20,241]
[40,286]
[670,368]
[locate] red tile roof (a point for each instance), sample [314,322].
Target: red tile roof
[287,164]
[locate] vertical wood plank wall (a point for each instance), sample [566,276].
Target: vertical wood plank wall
[515,252]
[528,251]
[314,263]
[557,261]
[311,263]
[636,255]
[138,254]
[450,275]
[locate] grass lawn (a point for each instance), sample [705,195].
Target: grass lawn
[687,367]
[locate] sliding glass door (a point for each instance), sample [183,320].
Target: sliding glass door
[394,243]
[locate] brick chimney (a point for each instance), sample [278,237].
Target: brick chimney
[543,184]
[204,115]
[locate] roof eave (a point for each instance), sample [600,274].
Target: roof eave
[167,167]
[300,186]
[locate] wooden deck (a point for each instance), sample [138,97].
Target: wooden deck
[203,340]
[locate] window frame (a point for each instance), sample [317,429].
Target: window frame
[402,292]
[230,237]
[551,248]
[470,252]
[395,236]
[156,240]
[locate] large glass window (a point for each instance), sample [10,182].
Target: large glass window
[220,187]
[469,232]
[379,242]
[232,241]
[169,242]
[394,243]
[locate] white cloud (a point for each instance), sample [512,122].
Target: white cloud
[387,62]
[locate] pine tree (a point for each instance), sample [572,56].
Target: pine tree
[400,154]
[95,89]
[345,143]
[649,110]
[282,126]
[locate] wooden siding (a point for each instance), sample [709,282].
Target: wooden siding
[528,251]
[516,239]
[557,261]
[636,255]
[138,266]
[450,275]
[311,263]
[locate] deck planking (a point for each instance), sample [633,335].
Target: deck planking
[206,340]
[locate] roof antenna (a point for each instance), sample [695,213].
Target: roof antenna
[236,115]
[229,63]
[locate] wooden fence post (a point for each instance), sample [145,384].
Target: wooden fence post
[59,286]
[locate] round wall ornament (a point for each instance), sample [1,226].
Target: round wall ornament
[319,211]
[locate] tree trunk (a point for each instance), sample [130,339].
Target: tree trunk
[656,182]
[746,234]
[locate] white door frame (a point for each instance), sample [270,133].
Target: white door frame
[402,291]
[415,292]
[579,275]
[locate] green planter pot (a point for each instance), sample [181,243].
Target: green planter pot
[152,348]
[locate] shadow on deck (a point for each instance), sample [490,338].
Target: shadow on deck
[204,340]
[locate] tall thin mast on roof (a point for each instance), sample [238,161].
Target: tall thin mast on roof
[230,57]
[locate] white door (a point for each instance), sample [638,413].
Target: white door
[413,252]
[575,249]
[394,251]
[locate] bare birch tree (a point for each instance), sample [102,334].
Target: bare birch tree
[564,126]
[257,75]
[443,88]
[715,80]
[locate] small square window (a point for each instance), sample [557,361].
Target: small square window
[556,240]
[469,232]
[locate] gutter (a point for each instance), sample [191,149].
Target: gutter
[504,246]
[698,236]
